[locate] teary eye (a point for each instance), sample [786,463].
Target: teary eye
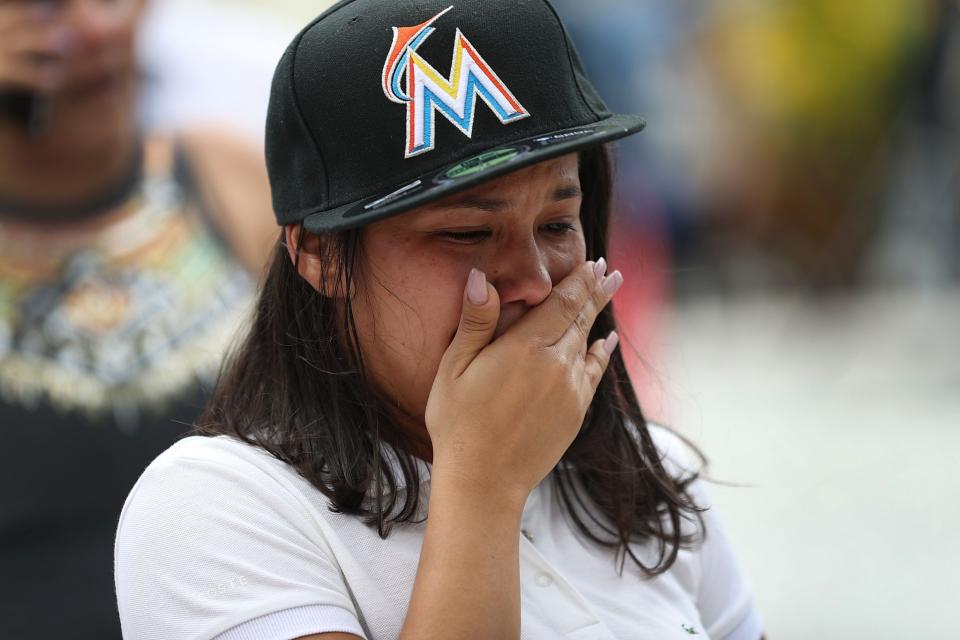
[475,235]
[561,227]
[466,236]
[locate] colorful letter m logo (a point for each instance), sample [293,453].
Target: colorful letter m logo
[427,91]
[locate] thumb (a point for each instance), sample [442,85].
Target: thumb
[478,322]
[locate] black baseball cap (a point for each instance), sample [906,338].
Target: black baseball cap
[380,106]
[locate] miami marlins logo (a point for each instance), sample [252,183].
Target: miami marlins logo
[427,91]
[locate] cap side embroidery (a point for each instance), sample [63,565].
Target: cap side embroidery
[427,91]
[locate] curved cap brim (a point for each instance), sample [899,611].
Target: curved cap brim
[470,172]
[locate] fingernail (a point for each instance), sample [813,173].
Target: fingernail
[600,268]
[610,344]
[477,287]
[612,283]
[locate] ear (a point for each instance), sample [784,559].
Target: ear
[314,260]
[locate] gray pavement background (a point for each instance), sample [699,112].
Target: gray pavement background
[843,417]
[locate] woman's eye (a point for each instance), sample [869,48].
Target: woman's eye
[465,236]
[561,227]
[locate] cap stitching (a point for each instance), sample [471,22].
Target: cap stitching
[306,124]
[566,40]
[296,94]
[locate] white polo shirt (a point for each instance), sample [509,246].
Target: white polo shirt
[218,539]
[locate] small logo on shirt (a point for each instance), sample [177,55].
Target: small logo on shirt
[690,630]
[218,591]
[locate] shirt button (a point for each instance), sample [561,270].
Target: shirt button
[544,579]
[526,534]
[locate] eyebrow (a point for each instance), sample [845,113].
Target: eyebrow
[495,205]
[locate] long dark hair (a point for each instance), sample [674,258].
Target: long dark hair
[294,389]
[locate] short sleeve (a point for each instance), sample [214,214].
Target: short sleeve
[723,596]
[215,546]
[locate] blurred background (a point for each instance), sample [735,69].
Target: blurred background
[791,224]
[791,221]
[789,229]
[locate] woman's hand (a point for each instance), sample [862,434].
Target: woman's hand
[501,414]
[33,44]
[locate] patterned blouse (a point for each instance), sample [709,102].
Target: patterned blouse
[109,343]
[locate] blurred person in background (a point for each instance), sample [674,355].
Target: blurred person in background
[193,74]
[126,262]
[808,98]
[919,239]
[635,52]
[796,138]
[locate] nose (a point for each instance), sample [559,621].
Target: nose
[521,272]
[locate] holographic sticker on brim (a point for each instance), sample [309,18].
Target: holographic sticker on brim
[481,162]
[405,190]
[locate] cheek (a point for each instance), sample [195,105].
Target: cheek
[424,305]
[566,256]
[416,290]
[407,315]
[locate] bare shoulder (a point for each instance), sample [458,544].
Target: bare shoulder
[232,175]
